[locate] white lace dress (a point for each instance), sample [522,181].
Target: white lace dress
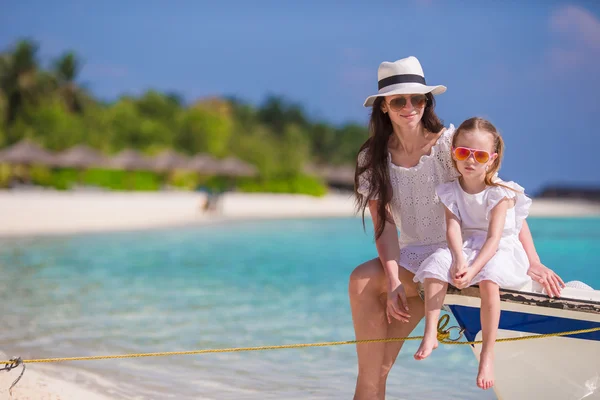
[508,267]
[415,207]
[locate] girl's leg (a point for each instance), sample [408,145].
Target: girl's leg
[490,318]
[435,291]
[368,293]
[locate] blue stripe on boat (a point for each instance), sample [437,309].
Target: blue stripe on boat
[468,318]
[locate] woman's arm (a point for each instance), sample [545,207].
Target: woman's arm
[387,245]
[538,271]
[388,250]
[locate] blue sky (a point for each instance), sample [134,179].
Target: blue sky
[530,67]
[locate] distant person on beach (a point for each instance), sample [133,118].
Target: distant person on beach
[407,155]
[489,213]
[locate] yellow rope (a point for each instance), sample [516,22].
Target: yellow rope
[443,337]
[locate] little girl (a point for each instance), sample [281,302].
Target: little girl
[487,214]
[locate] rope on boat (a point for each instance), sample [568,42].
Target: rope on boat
[444,337]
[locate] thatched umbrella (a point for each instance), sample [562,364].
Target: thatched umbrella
[339,175]
[26,152]
[129,160]
[232,166]
[169,160]
[335,176]
[204,164]
[80,157]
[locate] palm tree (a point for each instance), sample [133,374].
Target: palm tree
[18,80]
[66,69]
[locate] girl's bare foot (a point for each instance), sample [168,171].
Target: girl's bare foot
[485,377]
[428,344]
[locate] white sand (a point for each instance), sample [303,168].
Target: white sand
[35,385]
[50,212]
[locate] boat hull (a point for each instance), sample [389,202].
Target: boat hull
[565,367]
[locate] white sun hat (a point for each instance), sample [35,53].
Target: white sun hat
[404,76]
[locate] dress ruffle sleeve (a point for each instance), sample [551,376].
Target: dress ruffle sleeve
[447,194]
[522,204]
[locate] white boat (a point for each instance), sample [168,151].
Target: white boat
[562,368]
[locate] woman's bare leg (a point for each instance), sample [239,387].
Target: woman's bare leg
[490,318]
[435,292]
[368,294]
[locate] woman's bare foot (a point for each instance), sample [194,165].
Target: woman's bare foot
[428,344]
[485,377]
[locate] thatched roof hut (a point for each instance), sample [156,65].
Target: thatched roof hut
[338,175]
[28,153]
[204,164]
[232,166]
[129,159]
[80,156]
[169,160]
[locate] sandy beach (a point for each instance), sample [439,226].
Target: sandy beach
[32,213]
[53,212]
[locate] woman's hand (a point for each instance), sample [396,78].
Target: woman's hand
[547,278]
[397,305]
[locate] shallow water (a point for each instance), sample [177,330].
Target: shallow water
[229,285]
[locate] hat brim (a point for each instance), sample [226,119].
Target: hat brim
[405,88]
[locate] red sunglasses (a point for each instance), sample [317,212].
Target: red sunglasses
[462,153]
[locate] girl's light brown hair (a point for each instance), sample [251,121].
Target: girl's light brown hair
[483,125]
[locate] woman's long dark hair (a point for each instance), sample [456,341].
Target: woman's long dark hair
[375,162]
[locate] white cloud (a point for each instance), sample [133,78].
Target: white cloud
[577,23]
[576,39]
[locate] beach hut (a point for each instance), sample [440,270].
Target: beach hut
[169,160]
[338,177]
[129,160]
[234,167]
[27,152]
[204,164]
[80,157]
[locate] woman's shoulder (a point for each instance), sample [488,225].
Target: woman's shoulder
[445,136]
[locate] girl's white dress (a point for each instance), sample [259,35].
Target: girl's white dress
[508,267]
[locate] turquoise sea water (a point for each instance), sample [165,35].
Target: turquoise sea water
[228,285]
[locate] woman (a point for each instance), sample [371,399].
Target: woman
[405,157]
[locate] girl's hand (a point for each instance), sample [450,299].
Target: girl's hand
[457,270]
[397,305]
[465,279]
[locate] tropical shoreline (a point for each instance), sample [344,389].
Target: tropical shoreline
[47,212]
[32,213]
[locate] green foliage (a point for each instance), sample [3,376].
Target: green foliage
[203,131]
[52,124]
[185,180]
[50,108]
[122,180]
[300,184]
